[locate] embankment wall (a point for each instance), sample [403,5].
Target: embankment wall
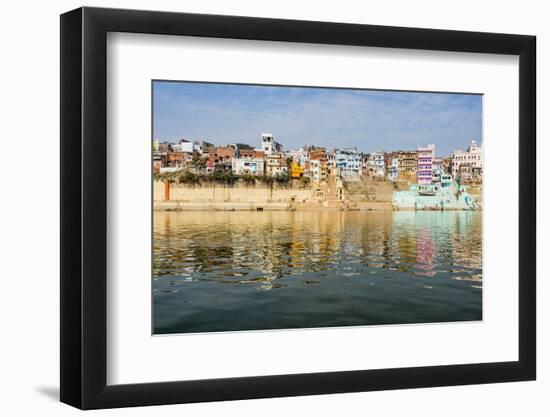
[206,194]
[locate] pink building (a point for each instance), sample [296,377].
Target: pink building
[425,164]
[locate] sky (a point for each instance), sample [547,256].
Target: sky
[370,120]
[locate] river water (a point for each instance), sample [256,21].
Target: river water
[227,271]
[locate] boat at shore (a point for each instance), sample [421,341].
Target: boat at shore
[445,195]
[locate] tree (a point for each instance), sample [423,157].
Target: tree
[244,146]
[189,177]
[282,177]
[305,181]
[198,161]
[248,179]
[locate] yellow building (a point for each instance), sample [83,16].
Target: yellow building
[296,170]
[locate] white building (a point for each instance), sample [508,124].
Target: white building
[437,169]
[331,162]
[315,170]
[473,156]
[183,146]
[298,155]
[198,146]
[348,162]
[376,164]
[253,166]
[393,169]
[270,145]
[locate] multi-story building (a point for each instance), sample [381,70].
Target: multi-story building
[318,160]
[315,171]
[376,164]
[319,154]
[177,159]
[468,172]
[472,156]
[275,164]
[464,172]
[364,163]
[296,170]
[198,146]
[437,169]
[331,162]
[425,164]
[270,145]
[252,166]
[408,162]
[162,147]
[407,166]
[183,146]
[201,146]
[477,174]
[251,154]
[447,163]
[221,153]
[298,155]
[348,162]
[392,166]
[219,158]
[307,169]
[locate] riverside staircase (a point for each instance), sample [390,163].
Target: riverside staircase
[329,195]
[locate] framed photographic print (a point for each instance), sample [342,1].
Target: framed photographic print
[258,207]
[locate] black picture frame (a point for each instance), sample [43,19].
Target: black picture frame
[84,207]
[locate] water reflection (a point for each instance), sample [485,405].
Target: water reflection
[319,268]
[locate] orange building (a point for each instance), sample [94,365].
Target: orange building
[296,170]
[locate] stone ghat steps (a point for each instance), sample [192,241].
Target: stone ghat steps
[318,205]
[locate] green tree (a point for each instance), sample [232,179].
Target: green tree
[248,179]
[189,177]
[282,178]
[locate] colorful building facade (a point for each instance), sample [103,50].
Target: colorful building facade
[425,164]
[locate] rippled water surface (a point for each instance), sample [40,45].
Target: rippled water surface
[225,271]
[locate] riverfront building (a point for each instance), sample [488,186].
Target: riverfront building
[275,164]
[408,162]
[296,170]
[392,166]
[348,162]
[407,166]
[468,165]
[219,158]
[270,145]
[319,164]
[183,146]
[163,147]
[437,169]
[425,159]
[376,164]
[299,155]
[251,166]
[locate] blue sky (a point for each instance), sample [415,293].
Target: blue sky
[334,118]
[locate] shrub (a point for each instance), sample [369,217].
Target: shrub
[189,177]
[266,179]
[248,179]
[281,178]
[224,177]
[198,161]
